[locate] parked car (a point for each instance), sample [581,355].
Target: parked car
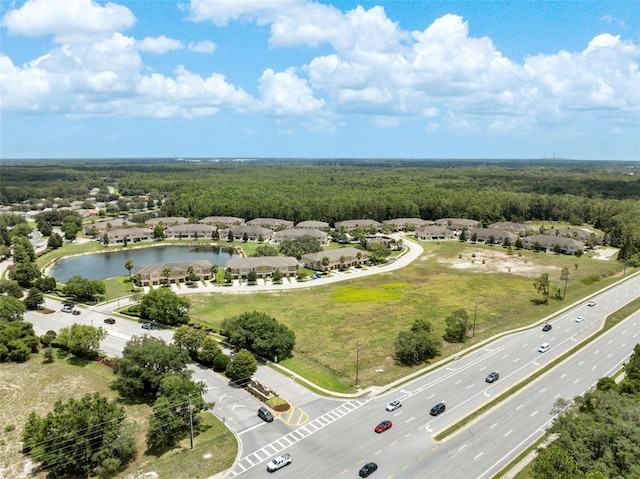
[546,327]
[579,319]
[544,347]
[368,469]
[67,309]
[437,409]
[147,326]
[591,303]
[393,405]
[279,462]
[110,321]
[265,414]
[492,377]
[383,426]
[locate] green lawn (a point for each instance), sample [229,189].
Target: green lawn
[328,320]
[35,386]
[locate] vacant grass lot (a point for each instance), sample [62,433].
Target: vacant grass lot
[35,386]
[329,320]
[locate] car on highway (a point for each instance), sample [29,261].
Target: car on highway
[437,409]
[546,327]
[544,347]
[279,462]
[368,469]
[591,303]
[393,405]
[110,321]
[579,319]
[383,426]
[492,377]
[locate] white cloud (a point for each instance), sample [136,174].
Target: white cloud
[67,20]
[286,94]
[221,12]
[159,44]
[205,46]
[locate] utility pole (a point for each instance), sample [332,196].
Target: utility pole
[475,315]
[357,360]
[190,422]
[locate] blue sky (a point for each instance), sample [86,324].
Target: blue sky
[312,79]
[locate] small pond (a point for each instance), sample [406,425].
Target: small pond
[111,264]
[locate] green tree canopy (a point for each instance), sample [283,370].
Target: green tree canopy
[144,363]
[259,333]
[242,366]
[457,325]
[84,289]
[11,309]
[81,340]
[190,339]
[25,274]
[542,285]
[164,306]
[34,299]
[17,341]
[81,438]
[417,344]
[266,250]
[11,288]
[297,247]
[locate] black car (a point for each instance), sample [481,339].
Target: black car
[110,321]
[437,409]
[546,327]
[492,377]
[368,469]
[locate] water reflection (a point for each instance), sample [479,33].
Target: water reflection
[111,264]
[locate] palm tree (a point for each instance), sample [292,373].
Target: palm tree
[166,273]
[214,272]
[129,265]
[325,262]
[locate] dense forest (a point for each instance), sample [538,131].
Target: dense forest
[602,194]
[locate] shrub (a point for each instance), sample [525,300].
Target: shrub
[220,362]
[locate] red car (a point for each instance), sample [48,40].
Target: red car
[383,426]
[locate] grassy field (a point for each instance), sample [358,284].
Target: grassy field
[329,320]
[35,386]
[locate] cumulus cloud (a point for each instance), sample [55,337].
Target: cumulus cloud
[205,46]
[67,20]
[159,44]
[285,93]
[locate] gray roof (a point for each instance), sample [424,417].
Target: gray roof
[299,233]
[167,220]
[146,269]
[333,254]
[312,224]
[226,220]
[256,262]
[269,222]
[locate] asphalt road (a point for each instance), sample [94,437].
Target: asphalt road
[337,443]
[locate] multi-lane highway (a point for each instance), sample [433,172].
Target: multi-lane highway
[332,438]
[339,441]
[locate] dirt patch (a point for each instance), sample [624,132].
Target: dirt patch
[493,261]
[606,254]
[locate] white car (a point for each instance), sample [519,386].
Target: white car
[544,347]
[579,319]
[591,303]
[279,462]
[393,405]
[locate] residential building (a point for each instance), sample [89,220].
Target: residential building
[434,233]
[294,233]
[313,225]
[264,266]
[337,258]
[517,228]
[222,221]
[457,224]
[132,235]
[189,231]
[271,223]
[154,274]
[350,225]
[167,221]
[552,244]
[403,224]
[252,232]
[490,236]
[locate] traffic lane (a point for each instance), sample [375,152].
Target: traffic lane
[507,430]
